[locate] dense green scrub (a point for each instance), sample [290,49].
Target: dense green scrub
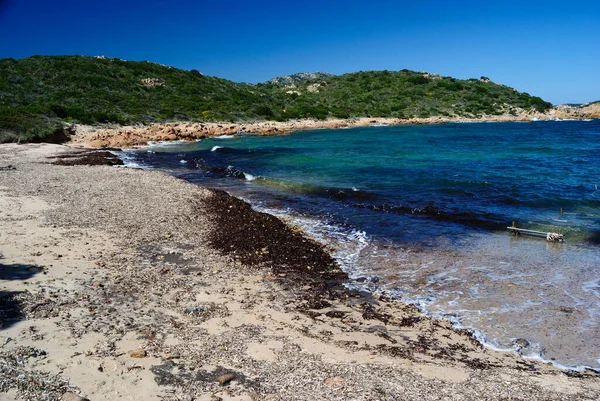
[40,94]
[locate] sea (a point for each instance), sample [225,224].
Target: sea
[420,213]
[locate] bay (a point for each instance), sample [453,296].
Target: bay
[420,212]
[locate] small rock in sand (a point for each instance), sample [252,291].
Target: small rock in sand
[138,353]
[226,378]
[336,381]
[69,396]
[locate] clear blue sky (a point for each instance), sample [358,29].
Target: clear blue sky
[547,48]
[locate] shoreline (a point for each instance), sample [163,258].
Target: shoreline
[197,313]
[139,135]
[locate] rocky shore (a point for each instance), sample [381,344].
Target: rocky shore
[128,284]
[130,136]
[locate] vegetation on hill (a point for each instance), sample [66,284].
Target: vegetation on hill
[297,78]
[403,94]
[40,94]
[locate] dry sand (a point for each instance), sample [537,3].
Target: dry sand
[112,287]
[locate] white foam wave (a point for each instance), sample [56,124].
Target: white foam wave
[249,177]
[129,160]
[154,144]
[345,246]
[182,161]
[225,137]
[215,148]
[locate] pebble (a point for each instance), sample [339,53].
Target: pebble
[521,342]
[226,378]
[192,309]
[335,381]
[69,396]
[138,353]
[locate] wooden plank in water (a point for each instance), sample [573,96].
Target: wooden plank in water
[552,237]
[522,230]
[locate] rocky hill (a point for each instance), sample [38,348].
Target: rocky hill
[293,79]
[40,94]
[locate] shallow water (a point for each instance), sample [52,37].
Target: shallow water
[421,212]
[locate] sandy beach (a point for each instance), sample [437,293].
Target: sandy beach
[126,284]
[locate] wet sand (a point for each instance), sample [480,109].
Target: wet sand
[127,283]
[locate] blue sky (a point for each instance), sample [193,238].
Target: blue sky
[550,48]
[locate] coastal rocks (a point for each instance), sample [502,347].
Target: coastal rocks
[130,136]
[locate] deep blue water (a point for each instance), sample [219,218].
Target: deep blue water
[409,183]
[425,209]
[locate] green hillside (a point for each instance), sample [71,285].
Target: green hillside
[403,94]
[38,95]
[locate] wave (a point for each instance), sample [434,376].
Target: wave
[225,149]
[345,243]
[155,144]
[130,160]
[532,351]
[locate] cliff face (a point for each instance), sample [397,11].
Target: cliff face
[588,110]
[592,110]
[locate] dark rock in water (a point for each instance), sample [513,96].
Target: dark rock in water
[566,309]
[469,219]
[521,343]
[6,168]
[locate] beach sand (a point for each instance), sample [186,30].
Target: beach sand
[127,284]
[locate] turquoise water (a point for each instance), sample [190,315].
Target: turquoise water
[421,212]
